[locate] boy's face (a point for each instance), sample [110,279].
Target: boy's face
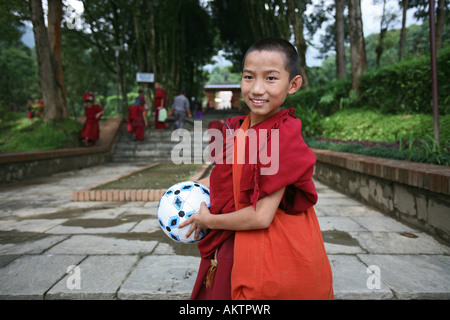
[265,84]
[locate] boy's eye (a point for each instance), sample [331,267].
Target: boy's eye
[247,77]
[271,78]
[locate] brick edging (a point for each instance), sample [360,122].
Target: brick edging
[430,177]
[87,194]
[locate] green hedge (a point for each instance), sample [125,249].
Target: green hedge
[406,86]
[401,88]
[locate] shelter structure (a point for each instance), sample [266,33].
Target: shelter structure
[213,88]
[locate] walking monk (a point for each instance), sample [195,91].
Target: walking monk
[137,118]
[90,132]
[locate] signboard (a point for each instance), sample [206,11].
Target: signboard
[145,77]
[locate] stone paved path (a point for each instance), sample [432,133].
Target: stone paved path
[53,248]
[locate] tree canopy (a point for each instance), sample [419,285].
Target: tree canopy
[111,40]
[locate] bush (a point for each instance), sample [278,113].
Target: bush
[402,87]
[355,124]
[369,132]
[325,100]
[406,86]
[416,150]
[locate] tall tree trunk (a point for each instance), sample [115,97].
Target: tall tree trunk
[140,42]
[54,37]
[383,29]
[357,46]
[440,19]
[340,40]
[405,5]
[45,62]
[296,21]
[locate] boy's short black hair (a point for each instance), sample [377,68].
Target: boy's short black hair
[278,45]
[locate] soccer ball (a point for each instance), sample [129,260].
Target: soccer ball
[177,204]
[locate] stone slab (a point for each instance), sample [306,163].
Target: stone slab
[338,201]
[414,276]
[339,223]
[333,248]
[382,224]
[147,225]
[395,243]
[32,246]
[64,229]
[90,244]
[29,277]
[32,225]
[161,277]
[344,211]
[350,278]
[100,277]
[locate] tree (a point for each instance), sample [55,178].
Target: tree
[336,34]
[404,5]
[242,23]
[295,10]
[422,13]
[357,46]
[48,58]
[340,39]
[386,19]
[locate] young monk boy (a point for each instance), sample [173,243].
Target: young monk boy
[137,117]
[90,132]
[263,241]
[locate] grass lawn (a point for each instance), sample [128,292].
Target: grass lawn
[25,134]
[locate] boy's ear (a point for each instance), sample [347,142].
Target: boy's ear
[295,84]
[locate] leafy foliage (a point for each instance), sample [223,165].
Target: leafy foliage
[407,137]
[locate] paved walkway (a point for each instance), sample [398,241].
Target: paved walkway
[53,248]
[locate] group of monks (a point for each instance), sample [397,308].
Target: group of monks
[136,121]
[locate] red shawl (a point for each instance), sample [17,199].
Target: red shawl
[296,165]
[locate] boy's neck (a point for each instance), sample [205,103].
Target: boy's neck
[255,119]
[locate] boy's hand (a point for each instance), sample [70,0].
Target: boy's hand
[198,220]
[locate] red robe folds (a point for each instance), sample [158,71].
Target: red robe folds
[91,128]
[311,276]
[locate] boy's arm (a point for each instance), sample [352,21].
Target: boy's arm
[244,219]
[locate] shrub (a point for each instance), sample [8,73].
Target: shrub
[402,87]
[406,86]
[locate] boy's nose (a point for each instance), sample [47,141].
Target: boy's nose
[258,88]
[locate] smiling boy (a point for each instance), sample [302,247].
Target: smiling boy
[263,240]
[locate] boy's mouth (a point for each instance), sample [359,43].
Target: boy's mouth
[258,102]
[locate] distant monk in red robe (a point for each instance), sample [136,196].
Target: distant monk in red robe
[90,132]
[160,102]
[137,118]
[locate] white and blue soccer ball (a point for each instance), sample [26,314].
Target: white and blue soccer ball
[179,203]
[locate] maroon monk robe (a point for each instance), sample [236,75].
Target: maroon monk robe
[91,128]
[296,162]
